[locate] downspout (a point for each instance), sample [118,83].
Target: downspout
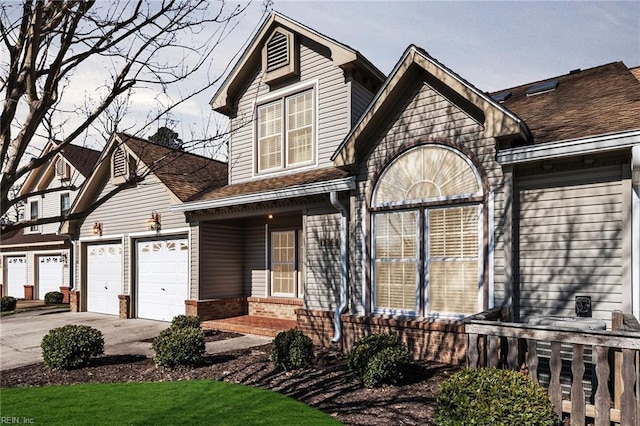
[337,324]
[635,226]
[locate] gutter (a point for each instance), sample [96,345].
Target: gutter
[337,324]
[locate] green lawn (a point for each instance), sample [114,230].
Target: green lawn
[159,403]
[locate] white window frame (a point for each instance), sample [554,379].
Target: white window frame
[282,96]
[68,196]
[34,228]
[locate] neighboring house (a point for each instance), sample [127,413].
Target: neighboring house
[35,259]
[134,254]
[357,203]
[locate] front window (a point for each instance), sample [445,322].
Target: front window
[286,251]
[34,213]
[426,234]
[285,132]
[65,204]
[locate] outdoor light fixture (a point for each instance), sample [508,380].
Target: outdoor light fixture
[97,228]
[64,258]
[154,222]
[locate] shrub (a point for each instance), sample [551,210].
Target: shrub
[71,346]
[53,298]
[179,347]
[488,396]
[8,303]
[291,349]
[379,359]
[183,321]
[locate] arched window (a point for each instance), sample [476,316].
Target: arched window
[426,234]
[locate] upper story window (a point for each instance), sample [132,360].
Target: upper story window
[120,166]
[65,204]
[280,56]
[34,211]
[63,170]
[286,132]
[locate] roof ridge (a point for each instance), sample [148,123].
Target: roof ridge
[128,136]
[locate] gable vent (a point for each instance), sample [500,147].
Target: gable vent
[277,51]
[62,169]
[119,168]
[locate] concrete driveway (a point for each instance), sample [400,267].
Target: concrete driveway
[21,334]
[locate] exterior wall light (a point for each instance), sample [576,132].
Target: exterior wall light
[153,223]
[97,228]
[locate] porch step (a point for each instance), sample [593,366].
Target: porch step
[250,324]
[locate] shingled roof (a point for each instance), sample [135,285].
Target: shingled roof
[81,158]
[184,173]
[596,101]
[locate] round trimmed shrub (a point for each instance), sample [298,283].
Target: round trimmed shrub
[53,298]
[8,303]
[488,396]
[291,349]
[71,346]
[184,321]
[179,347]
[379,359]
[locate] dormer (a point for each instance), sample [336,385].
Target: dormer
[280,56]
[121,166]
[63,169]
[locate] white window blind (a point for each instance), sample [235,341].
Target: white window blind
[270,136]
[283,263]
[300,128]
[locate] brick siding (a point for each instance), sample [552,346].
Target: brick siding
[273,307]
[125,304]
[216,308]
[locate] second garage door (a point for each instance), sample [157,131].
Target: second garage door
[49,275]
[162,278]
[104,278]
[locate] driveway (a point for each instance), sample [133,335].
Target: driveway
[21,334]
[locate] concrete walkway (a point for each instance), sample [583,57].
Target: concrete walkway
[22,333]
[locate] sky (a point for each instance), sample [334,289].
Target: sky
[493,45]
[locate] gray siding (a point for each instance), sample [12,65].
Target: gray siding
[220,261]
[570,245]
[425,117]
[360,98]
[322,267]
[255,277]
[333,113]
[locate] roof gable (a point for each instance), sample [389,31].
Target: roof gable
[497,121]
[341,54]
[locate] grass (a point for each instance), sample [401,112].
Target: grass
[167,403]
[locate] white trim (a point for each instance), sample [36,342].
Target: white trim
[363,274]
[569,147]
[481,283]
[105,238]
[161,233]
[48,243]
[635,234]
[343,184]
[491,250]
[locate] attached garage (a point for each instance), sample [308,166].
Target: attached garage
[162,278]
[49,274]
[570,242]
[104,278]
[15,276]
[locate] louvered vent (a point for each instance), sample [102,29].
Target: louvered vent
[277,51]
[119,163]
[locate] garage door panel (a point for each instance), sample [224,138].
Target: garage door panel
[162,278]
[104,278]
[50,271]
[16,276]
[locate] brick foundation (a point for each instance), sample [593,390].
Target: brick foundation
[74,301]
[124,308]
[65,294]
[430,340]
[273,307]
[216,308]
[28,292]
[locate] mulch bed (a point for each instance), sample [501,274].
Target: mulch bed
[328,385]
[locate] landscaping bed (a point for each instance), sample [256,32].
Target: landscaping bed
[327,385]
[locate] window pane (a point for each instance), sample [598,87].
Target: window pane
[300,128]
[64,204]
[283,263]
[453,286]
[270,136]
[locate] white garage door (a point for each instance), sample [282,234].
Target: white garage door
[104,278]
[49,275]
[16,270]
[162,278]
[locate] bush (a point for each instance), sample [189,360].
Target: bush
[291,349]
[183,321]
[179,347]
[53,298]
[71,346]
[488,396]
[8,303]
[379,359]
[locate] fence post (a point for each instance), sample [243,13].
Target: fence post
[617,321]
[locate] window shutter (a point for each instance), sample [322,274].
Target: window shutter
[277,51]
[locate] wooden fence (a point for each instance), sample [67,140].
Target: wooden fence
[613,357]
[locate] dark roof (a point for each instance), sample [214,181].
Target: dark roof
[278,182]
[184,173]
[82,159]
[596,101]
[18,237]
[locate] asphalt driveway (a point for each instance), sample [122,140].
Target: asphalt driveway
[21,334]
